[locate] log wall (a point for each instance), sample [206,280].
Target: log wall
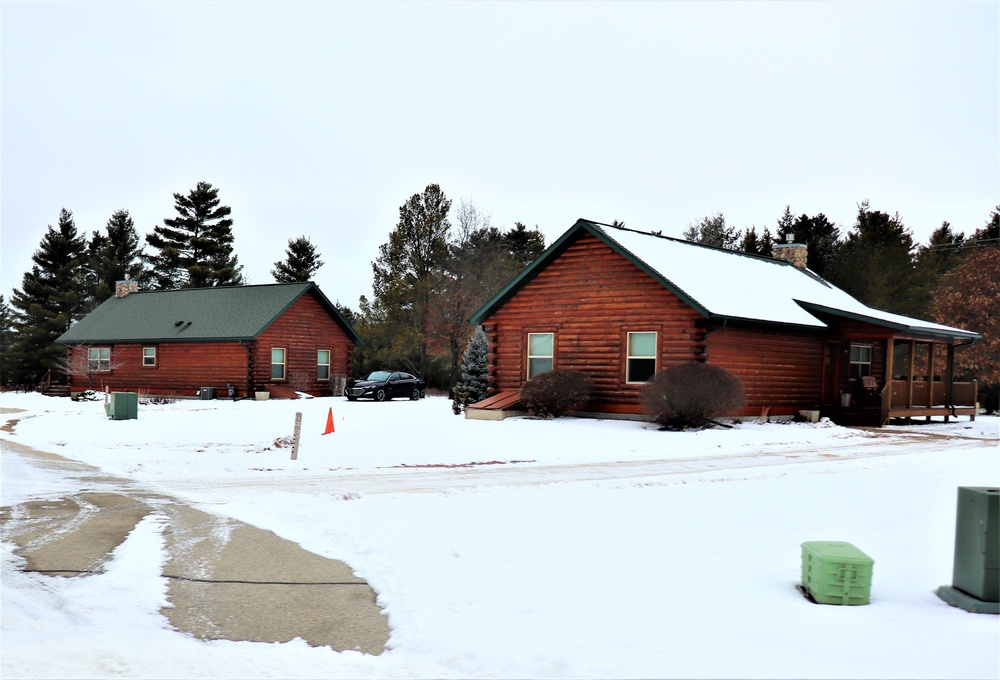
[182,368]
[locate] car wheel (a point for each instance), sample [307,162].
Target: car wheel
[380,395]
[415,394]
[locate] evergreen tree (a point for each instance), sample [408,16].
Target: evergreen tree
[195,249]
[819,234]
[409,268]
[300,263]
[6,341]
[989,235]
[52,296]
[472,383]
[523,244]
[943,252]
[875,263]
[713,231]
[115,256]
[757,245]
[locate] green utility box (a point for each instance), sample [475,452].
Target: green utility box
[977,543]
[834,572]
[123,406]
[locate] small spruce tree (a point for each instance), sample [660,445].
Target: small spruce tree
[472,380]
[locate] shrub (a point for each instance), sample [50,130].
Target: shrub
[551,394]
[691,395]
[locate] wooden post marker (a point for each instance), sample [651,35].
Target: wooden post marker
[298,430]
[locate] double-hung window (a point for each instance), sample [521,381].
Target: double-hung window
[277,363]
[149,356]
[323,364]
[98,359]
[541,353]
[640,359]
[861,361]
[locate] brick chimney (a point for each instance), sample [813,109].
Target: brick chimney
[123,288]
[795,254]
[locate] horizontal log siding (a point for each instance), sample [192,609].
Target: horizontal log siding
[182,368]
[590,297]
[303,330]
[779,371]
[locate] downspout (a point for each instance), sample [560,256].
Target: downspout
[951,369]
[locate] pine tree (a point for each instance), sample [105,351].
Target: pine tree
[52,296]
[876,265]
[408,270]
[300,263]
[195,249]
[6,341]
[115,255]
[713,231]
[757,245]
[472,383]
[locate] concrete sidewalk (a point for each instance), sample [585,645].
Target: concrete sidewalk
[227,580]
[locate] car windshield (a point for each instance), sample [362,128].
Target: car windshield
[378,375]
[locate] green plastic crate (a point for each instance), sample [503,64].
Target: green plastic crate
[835,572]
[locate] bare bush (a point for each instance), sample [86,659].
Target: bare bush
[551,394]
[691,395]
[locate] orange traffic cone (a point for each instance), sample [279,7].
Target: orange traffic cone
[329,422]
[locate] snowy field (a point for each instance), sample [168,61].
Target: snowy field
[524,548]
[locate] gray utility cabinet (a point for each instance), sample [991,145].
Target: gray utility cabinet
[977,543]
[122,406]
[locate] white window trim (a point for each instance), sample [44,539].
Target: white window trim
[98,360]
[283,364]
[551,357]
[144,357]
[629,357]
[329,361]
[851,364]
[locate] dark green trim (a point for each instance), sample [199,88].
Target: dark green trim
[914,330]
[560,246]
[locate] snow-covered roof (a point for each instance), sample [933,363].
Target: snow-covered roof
[731,285]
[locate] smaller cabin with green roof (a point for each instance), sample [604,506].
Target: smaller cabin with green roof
[280,338]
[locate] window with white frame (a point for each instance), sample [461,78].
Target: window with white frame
[861,361]
[98,359]
[640,359]
[323,364]
[277,363]
[149,356]
[541,352]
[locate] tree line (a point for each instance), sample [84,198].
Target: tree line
[441,263]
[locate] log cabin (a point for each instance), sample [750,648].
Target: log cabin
[279,338]
[622,305]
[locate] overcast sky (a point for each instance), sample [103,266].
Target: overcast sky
[322,118]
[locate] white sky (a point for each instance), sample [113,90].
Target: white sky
[323,118]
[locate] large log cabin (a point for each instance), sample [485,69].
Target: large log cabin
[279,338]
[622,305]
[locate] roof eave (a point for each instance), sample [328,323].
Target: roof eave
[941,333]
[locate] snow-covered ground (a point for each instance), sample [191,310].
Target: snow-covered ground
[522,548]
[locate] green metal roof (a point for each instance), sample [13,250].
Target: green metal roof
[195,314]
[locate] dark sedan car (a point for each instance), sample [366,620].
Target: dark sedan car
[383,385]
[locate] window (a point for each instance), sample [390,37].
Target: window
[149,356]
[323,364]
[541,347]
[861,361]
[277,363]
[640,360]
[98,359]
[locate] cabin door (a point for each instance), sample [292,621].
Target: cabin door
[831,369]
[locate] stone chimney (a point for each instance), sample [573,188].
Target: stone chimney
[795,254]
[123,288]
